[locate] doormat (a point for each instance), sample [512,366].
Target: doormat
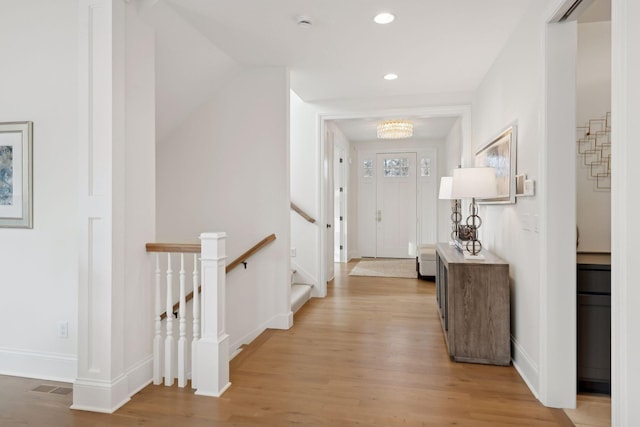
[403,268]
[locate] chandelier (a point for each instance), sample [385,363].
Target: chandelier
[395,129]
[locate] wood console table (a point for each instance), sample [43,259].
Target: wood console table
[473,302]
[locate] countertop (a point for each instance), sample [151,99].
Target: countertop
[599,258]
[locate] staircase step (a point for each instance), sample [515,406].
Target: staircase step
[300,293]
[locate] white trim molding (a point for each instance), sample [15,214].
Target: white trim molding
[45,366]
[525,366]
[557,311]
[100,396]
[625,294]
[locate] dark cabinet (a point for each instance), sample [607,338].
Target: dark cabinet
[594,327]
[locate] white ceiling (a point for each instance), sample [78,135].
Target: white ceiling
[360,130]
[439,48]
[435,46]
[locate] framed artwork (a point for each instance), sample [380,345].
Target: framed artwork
[500,154]
[16,175]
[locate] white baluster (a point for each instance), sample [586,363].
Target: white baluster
[182,341]
[157,339]
[169,341]
[196,323]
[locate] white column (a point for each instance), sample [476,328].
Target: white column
[101,384]
[213,349]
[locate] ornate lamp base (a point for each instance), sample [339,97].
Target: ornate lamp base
[474,222]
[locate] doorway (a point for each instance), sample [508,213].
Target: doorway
[429,175]
[387,205]
[568,103]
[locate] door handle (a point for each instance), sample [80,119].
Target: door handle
[328,225]
[379,216]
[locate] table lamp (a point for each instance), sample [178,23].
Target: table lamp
[474,183]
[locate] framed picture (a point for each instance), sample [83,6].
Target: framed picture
[500,154]
[16,198]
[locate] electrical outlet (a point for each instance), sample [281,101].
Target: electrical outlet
[293,252]
[63,329]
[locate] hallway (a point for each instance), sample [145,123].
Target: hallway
[370,354]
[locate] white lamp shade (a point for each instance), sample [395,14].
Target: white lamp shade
[445,188]
[479,183]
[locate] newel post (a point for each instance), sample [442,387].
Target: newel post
[213,347]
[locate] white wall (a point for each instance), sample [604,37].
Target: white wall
[452,158]
[305,180]
[226,168]
[185,78]
[39,266]
[512,91]
[139,198]
[593,81]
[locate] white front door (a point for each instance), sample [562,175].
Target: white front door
[396,205]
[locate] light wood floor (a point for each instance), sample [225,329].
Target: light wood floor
[370,354]
[592,410]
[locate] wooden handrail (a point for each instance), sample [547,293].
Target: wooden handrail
[187,248]
[302,213]
[191,248]
[242,258]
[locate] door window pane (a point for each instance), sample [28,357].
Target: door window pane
[367,169]
[396,167]
[425,167]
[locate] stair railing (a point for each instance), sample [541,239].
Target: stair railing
[302,213]
[209,360]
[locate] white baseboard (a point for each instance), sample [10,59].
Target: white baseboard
[108,397]
[303,276]
[100,396]
[140,375]
[245,339]
[526,367]
[280,321]
[44,366]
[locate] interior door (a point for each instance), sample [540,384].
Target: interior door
[339,206]
[396,205]
[328,176]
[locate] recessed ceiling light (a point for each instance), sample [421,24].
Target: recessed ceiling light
[384,18]
[390,76]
